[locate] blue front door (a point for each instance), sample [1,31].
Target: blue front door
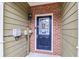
[43,33]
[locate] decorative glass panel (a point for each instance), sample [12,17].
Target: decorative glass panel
[44,26]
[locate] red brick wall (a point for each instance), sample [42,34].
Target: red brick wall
[48,8]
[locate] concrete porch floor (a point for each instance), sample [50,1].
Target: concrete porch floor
[40,55]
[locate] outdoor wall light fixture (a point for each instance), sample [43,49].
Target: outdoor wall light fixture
[17,33]
[27,32]
[30,31]
[29,16]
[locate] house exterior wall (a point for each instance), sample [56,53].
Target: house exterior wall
[69,29]
[44,9]
[15,16]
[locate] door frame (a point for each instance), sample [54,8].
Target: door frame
[51,14]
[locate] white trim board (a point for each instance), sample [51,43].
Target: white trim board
[51,14]
[78,31]
[1,29]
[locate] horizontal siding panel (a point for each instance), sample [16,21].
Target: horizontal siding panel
[8,32]
[19,50]
[12,49]
[23,54]
[65,6]
[72,33]
[7,39]
[14,16]
[71,25]
[11,43]
[11,38]
[14,22]
[72,18]
[8,8]
[10,26]
[68,8]
[71,49]
[70,12]
[14,6]
[70,40]
[8,20]
[21,6]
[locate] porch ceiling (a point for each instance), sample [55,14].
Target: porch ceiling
[38,3]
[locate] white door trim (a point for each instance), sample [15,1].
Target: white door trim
[51,14]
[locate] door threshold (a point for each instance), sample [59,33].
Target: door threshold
[41,55]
